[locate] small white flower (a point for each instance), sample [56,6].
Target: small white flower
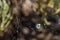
[38,26]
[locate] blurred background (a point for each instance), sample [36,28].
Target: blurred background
[29,19]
